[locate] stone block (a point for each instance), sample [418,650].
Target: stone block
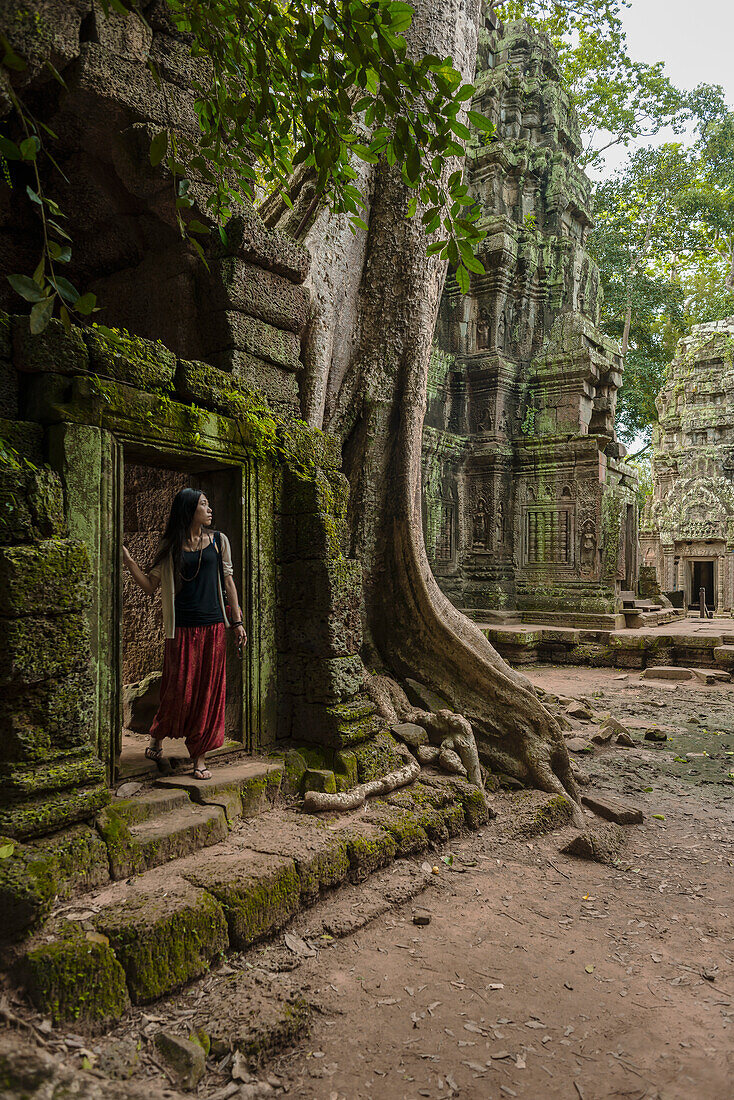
[145,364]
[319,779]
[309,536]
[320,604]
[8,390]
[51,577]
[329,680]
[250,239]
[186,1061]
[25,438]
[262,294]
[76,979]
[22,780]
[277,384]
[34,874]
[52,351]
[402,825]
[233,330]
[340,726]
[345,769]
[663,672]
[43,720]
[40,815]
[31,505]
[326,491]
[368,848]
[39,649]
[140,702]
[258,894]
[613,809]
[164,940]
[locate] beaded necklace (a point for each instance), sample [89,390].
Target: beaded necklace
[186,580]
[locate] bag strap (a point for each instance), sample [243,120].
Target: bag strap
[220,562]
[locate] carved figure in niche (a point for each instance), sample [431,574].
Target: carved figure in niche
[500,524]
[480,520]
[485,421]
[501,331]
[506,423]
[588,546]
[482,330]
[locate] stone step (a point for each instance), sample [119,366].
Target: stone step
[149,803]
[179,832]
[143,938]
[184,827]
[244,789]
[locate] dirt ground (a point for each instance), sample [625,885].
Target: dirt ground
[539,975]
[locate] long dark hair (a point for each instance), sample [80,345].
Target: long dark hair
[184,506]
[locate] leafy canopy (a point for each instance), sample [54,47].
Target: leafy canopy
[283,83]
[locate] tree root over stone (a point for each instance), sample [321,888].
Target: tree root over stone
[320,801]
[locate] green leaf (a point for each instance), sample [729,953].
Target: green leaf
[30,147]
[480,122]
[463,279]
[158,148]
[10,59]
[66,289]
[32,195]
[86,304]
[41,315]
[26,287]
[6,851]
[358,223]
[59,252]
[9,149]
[195,226]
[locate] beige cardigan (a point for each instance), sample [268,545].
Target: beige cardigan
[163,573]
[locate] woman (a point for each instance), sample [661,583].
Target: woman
[193,566]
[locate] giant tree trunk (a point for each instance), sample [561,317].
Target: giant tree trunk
[374,398]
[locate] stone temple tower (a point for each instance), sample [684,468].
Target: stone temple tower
[528,505]
[688,529]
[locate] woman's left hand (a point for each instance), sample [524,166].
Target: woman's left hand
[240,637]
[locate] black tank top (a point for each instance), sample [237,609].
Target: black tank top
[197,600]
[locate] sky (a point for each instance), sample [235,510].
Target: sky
[693,38]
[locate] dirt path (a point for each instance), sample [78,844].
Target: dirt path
[544,976]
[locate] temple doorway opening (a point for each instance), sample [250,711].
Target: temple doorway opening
[702,576]
[150,483]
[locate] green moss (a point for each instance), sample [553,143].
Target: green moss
[377,757]
[368,849]
[254,904]
[39,649]
[293,772]
[76,980]
[53,574]
[124,857]
[165,940]
[345,769]
[32,817]
[117,354]
[553,814]
[28,883]
[403,826]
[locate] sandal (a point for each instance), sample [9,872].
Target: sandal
[201,773]
[153,754]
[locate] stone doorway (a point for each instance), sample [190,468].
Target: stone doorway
[150,481]
[703,576]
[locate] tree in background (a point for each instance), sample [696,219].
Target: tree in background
[664,242]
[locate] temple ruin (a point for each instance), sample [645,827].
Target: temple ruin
[687,534]
[529,507]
